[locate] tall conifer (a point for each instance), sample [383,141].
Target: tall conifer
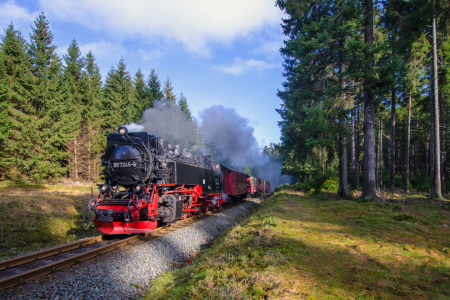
[14,103]
[119,103]
[154,86]
[169,95]
[143,96]
[52,125]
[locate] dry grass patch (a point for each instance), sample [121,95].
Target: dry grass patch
[37,216]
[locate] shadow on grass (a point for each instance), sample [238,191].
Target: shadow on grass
[419,225]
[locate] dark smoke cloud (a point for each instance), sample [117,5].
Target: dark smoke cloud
[168,123]
[230,133]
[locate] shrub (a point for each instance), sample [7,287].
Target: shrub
[330,185]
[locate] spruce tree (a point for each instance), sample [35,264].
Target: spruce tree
[96,139]
[51,108]
[119,101]
[154,86]
[14,103]
[184,107]
[169,97]
[143,96]
[74,64]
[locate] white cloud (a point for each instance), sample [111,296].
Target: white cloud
[10,12]
[150,55]
[104,50]
[193,23]
[240,66]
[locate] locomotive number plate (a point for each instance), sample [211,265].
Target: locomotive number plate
[126,164]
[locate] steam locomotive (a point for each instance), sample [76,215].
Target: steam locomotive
[150,182]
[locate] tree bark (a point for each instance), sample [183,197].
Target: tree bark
[357,164]
[75,158]
[416,153]
[369,187]
[431,150]
[354,185]
[408,142]
[392,144]
[343,159]
[89,154]
[435,191]
[380,156]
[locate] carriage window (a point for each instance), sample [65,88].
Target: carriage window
[234,180]
[244,180]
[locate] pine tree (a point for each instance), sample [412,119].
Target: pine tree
[96,140]
[170,97]
[74,64]
[52,125]
[119,101]
[184,107]
[14,102]
[154,86]
[143,96]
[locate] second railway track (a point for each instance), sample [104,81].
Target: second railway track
[10,276]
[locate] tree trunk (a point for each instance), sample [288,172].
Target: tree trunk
[416,153]
[432,151]
[354,185]
[435,191]
[435,164]
[89,154]
[343,159]
[392,144]
[408,142]
[369,187]
[380,156]
[357,164]
[75,158]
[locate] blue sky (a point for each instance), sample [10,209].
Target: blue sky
[215,52]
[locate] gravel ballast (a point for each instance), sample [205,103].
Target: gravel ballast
[126,273]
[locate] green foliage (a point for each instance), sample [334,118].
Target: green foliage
[331,185]
[144,96]
[54,116]
[420,182]
[169,96]
[184,107]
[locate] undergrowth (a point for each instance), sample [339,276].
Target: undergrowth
[320,247]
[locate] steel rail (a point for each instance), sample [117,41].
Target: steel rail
[38,272]
[46,253]
[35,273]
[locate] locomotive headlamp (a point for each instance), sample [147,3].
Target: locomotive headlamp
[103,188]
[137,188]
[123,130]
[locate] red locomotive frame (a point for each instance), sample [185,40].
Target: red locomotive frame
[194,203]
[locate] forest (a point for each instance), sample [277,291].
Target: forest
[55,112]
[366,95]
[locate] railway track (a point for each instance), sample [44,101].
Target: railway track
[98,244]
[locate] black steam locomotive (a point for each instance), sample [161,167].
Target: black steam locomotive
[148,181]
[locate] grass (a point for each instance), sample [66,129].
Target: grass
[38,216]
[319,247]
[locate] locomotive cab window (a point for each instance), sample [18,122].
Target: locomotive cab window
[234,179]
